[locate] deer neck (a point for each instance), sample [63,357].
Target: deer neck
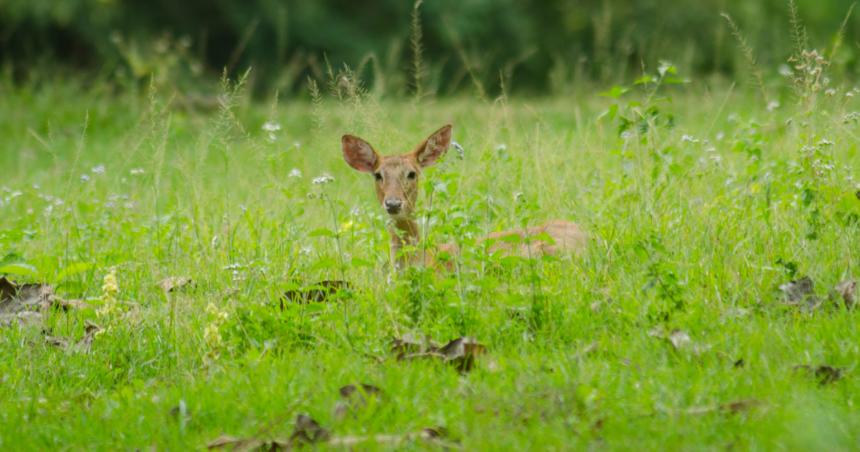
[404,232]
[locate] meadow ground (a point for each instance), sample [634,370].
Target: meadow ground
[698,209]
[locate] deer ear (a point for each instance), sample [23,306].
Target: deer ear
[433,147]
[358,153]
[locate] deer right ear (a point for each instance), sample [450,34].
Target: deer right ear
[358,153]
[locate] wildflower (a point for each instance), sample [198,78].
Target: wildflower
[459,149]
[849,94]
[36,186]
[212,332]
[109,290]
[137,172]
[271,127]
[626,135]
[686,138]
[295,172]
[830,92]
[772,105]
[501,147]
[84,178]
[716,159]
[322,180]
[98,169]
[271,138]
[720,136]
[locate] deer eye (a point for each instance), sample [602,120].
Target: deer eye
[378,176]
[411,175]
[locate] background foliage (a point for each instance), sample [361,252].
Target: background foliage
[537,45]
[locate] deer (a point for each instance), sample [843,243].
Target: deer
[396,181]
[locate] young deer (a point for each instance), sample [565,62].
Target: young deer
[397,190]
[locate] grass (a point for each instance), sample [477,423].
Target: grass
[695,219]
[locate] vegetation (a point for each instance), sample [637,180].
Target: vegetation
[538,46]
[700,315]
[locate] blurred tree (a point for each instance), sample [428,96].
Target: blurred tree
[536,45]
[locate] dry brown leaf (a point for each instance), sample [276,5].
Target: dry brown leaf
[321,292]
[679,339]
[26,319]
[461,352]
[435,436]
[732,407]
[846,293]
[308,431]
[408,345]
[82,346]
[800,293]
[248,445]
[175,284]
[15,298]
[354,399]
[824,374]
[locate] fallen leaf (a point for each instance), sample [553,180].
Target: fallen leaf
[316,293]
[308,431]
[732,407]
[26,319]
[409,344]
[354,399]
[16,298]
[248,445]
[462,352]
[175,284]
[824,374]
[846,293]
[800,293]
[679,339]
[82,346]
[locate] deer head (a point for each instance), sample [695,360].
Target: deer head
[396,175]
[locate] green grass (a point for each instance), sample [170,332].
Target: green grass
[675,243]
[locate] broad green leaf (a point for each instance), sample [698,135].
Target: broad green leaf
[612,111]
[315,307]
[356,262]
[325,262]
[20,269]
[510,260]
[661,99]
[321,233]
[669,80]
[633,104]
[545,237]
[615,92]
[512,238]
[73,269]
[646,79]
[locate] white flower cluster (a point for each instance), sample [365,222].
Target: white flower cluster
[322,180]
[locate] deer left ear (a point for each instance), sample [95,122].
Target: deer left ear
[433,147]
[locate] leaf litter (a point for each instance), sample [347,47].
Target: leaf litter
[800,293]
[307,431]
[460,352]
[680,341]
[824,374]
[81,346]
[354,399]
[175,284]
[316,293]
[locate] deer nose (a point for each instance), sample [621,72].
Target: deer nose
[393,206]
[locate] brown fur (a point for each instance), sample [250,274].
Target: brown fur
[394,184]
